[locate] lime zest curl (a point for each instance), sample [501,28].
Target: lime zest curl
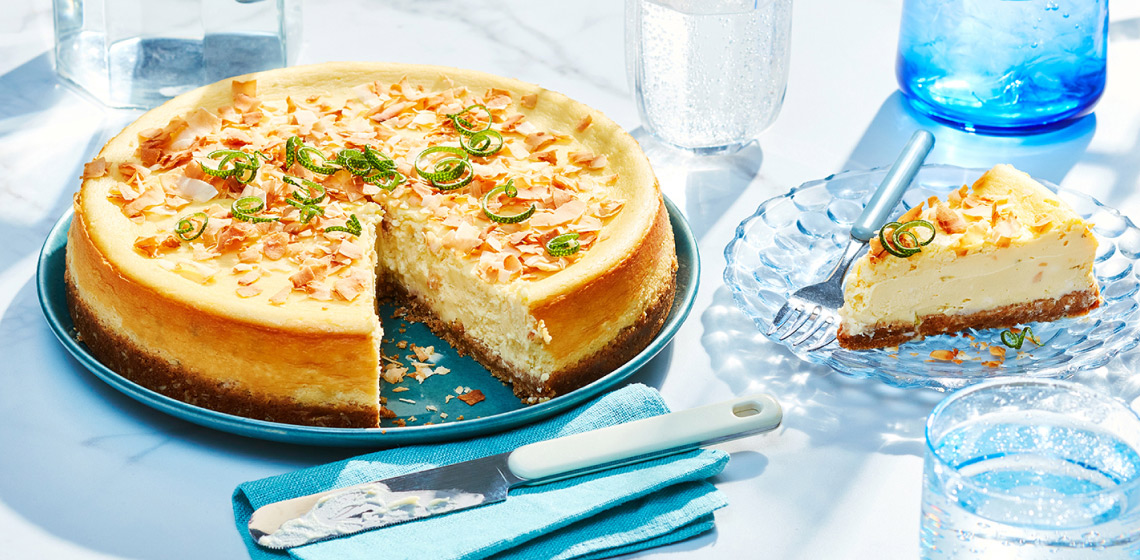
[185,228]
[508,189]
[563,245]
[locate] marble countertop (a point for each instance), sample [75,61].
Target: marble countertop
[87,473]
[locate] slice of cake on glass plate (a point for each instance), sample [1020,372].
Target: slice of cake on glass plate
[1001,252]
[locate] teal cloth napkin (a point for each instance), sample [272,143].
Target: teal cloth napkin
[595,516]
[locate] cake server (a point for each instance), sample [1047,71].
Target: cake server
[815,309]
[450,488]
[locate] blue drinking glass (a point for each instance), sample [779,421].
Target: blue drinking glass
[1003,66]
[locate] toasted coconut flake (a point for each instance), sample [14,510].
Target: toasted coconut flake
[563,214]
[152,196]
[350,286]
[243,88]
[96,168]
[944,355]
[539,140]
[529,101]
[472,397]
[148,246]
[248,291]
[1043,224]
[199,124]
[588,160]
[303,277]
[948,220]
[350,250]
[275,245]
[392,111]
[246,103]
[196,271]
[280,297]
[911,214]
[195,189]
[549,156]
[584,123]
[249,277]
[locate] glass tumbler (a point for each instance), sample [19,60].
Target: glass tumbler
[1029,468]
[1003,66]
[708,76]
[139,53]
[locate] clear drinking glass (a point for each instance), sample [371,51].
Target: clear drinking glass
[139,53]
[1003,66]
[1026,469]
[709,76]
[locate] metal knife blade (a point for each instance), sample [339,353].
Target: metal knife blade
[372,505]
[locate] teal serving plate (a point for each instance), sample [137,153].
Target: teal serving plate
[425,408]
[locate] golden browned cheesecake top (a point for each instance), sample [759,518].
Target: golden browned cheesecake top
[272,196]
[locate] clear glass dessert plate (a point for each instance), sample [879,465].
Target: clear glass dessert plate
[796,239]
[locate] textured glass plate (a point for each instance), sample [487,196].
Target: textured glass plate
[796,239]
[501,411]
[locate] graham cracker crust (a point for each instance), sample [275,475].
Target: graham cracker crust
[140,366]
[892,334]
[529,388]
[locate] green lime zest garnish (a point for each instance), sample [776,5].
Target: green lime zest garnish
[509,189]
[185,228]
[308,211]
[448,173]
[902,242]
[466,127]
[352,226]
[482,143]
[244,209]
[371,166]
[563,245]
[234,163]
[297,151]
[1016,339]
[314,192]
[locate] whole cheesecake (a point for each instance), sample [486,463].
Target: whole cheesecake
[228,248]
[1001,252]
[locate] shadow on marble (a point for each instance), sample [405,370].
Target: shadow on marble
[30,88]
[1050,155]
[47,132]
[742,465]
[829,408]
[654,371]
[705,187]
[73,446]
[1124,30]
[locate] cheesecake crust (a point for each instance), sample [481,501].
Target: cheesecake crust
[881,335]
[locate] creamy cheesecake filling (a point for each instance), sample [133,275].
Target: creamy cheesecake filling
[447,285]
[939,282]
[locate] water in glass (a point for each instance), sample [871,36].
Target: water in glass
[708,76]
[139,53]
[1031,484]
[1003,66]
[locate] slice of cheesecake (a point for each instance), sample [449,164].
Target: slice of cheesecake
[1001,252]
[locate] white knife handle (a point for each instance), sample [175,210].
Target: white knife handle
[645,439]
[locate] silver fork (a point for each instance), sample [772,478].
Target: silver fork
[816,307]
